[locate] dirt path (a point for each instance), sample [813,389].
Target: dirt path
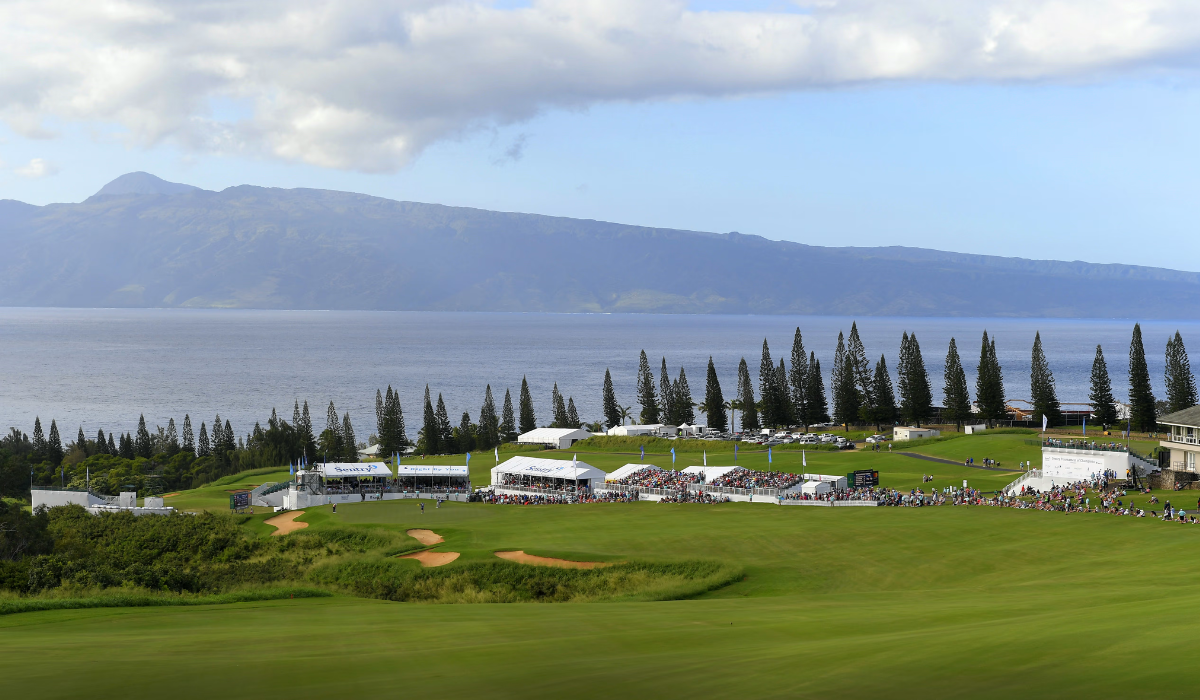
[426,537]
[430,559]
[286,522]
[521,557]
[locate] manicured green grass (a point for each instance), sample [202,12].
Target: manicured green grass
[215,496]
[853,602]
[970,602]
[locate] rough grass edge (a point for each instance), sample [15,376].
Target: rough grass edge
[139,600]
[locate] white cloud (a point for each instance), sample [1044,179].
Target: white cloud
[38,167]
[367,84]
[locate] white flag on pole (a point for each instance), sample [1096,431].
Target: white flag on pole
[706,458]
[803,458]
[1045,422]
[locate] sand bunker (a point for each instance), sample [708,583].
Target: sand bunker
[286,522]
[426,537]
[430,559]
[171,495]
[521,557]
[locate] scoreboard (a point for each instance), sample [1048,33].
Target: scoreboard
[862,478]
[239,501]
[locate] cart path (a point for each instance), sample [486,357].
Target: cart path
[521,557]
[286,522]
[927,458]
[425,537]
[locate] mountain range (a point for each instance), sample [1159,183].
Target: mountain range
[144,242]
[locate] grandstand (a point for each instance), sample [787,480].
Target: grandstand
[536,475]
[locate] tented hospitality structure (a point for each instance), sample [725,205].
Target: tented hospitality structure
[536,475]
[352,477]
[415,477]
[710,474]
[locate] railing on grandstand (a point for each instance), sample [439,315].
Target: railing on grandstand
[535,491]
[613,487]
[273,488]
[1080,444]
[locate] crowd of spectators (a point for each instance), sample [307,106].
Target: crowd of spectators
[652,478]
[741,478]
[1085,445]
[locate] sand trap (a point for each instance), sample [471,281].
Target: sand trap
[286,522]
[170,495]
[426,537]
[521,557]
[430,559]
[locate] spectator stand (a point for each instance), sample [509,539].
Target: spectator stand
[539,476]
[447,482]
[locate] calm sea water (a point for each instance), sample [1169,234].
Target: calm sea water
[101,368]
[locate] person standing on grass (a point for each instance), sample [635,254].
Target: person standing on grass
[422,509]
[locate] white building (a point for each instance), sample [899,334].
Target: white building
[558,438]
[910,433]
[126,501]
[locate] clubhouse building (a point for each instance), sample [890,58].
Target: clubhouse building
[1182,446]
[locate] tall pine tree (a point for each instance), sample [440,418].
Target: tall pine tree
[112,447]
[572,415]
[746,399]
[508,420]
[101,442]
[379,414]
[1104,409]
[39,439]
[989,383]
[141,444]
[884,411]
[560,409]
[528,421]
[863,376]
[783,395]
[1041,386]
[1181,385]
[955,395]
[488,435]
[189,440]
[645,392]
[768,390]
[445,431]
[816,406]
[54,446]
[465,433]
[797,378]
[839,361]
[349,444]
[916,395]
[173,436]
[684,405]
[307,438]
[714,400]
[203,449]
[847,402]
[126,450]
[392,435]
[668,408]
[430,436]
[1143,415]
[612,410]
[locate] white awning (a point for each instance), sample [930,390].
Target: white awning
[338,470]
[547,468]
[629,469]
[431,470]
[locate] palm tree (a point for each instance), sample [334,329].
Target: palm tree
[624,412]
[733,407]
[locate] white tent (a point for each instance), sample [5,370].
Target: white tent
[431,470]
[342,470]
[814,488]
[549,474]
[432,476]
[709,474]
[628,469]
[558,438]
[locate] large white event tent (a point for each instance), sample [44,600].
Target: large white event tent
[352,477]
[629,469]
[419,476]
[521,473]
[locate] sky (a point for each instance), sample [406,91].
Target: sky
[1059,129]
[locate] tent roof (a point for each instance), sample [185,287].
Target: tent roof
[552,468]
[341,469]
[431,470]
[710,473]
[551,434]
[628,469]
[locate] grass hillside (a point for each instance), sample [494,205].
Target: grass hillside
[854,602]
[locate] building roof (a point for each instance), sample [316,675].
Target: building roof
[552,468]
[551,434]
[1188,416]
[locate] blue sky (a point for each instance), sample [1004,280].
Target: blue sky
[1095,164]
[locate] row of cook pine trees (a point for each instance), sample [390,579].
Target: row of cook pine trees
[862,394]
[865,395]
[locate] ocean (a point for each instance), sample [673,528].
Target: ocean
[102,368]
